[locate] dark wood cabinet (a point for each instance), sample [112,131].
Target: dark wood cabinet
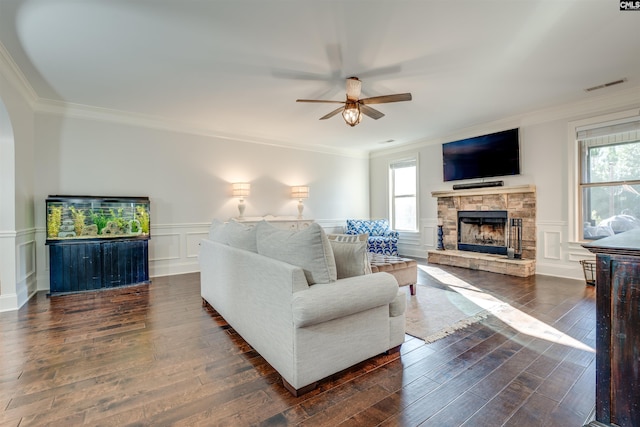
[84,266]
[618,329]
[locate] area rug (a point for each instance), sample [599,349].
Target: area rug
[437,311]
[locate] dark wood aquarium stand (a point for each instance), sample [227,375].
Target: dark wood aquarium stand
[97,242]
[87,266]
[617,330]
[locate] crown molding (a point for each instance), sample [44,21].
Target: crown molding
[68,109]
[594,105]
[10,70]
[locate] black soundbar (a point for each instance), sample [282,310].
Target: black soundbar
[478,185]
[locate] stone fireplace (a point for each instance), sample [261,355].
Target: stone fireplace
[475,232]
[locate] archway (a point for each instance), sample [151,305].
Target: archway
[8,296]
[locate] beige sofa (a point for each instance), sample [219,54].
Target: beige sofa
[303,320]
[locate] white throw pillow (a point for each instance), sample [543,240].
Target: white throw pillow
[216,231]
[233,234]
[308,249]
[350,252]
[241,236]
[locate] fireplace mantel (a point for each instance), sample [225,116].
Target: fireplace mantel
[485,191]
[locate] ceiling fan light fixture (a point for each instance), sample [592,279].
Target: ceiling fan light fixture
[352,114]
[354,107]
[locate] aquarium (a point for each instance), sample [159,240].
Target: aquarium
[91,217]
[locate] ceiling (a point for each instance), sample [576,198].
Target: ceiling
[235,68]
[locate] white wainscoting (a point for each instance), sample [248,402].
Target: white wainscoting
[26,273]
[19,283]
[173,248]
[8,297]
[556,256]
[416,245]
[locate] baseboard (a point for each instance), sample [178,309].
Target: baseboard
[173,268]
[558,270]
[8,302]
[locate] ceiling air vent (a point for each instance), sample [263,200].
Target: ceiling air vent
[602,86]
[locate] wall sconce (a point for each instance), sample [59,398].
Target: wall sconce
[240,190]
[300,193]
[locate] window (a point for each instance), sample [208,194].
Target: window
[609,184]
[403,178]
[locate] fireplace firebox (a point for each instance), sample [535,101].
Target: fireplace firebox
[483,231]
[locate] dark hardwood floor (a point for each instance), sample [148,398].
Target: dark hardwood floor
[153,355]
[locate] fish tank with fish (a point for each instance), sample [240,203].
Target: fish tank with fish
[97,218]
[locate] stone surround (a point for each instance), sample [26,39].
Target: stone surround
[518,201]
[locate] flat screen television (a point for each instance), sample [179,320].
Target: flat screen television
[495,154]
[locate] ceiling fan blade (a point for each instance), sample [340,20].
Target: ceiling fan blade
[331,114]
[354,86]
[371,112]
[387,98]
[320,100]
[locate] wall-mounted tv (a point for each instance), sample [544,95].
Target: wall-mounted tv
[496,154]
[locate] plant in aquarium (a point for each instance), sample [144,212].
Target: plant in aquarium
[54,219]
[99,219]
[118,219]
[135,226]
[143,216]
[79,218]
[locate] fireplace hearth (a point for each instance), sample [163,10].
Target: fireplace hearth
[483,231]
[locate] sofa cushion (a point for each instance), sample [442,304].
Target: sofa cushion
[216,231]
[308,249]
[350,253]
[241,236]
[233,234]
[328,301]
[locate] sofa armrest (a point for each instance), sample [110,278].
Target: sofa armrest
[327,301]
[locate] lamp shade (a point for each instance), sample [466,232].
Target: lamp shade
[351,113]
[300,192]
[241,189]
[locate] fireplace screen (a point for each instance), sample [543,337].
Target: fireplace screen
[482,231]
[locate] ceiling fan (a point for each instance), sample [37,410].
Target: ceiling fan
[354,107]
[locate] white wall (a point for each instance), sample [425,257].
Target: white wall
[544,137]
[188,178]
[17,232]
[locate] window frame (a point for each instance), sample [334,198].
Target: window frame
[575,169]
[393,164]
